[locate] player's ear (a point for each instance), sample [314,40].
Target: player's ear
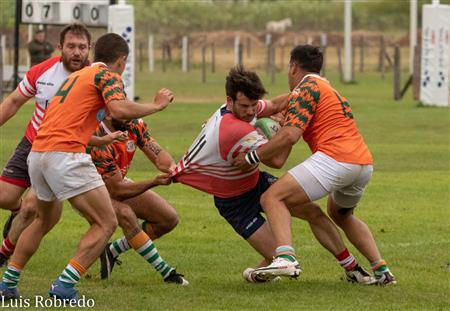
[229,101]
[59,46]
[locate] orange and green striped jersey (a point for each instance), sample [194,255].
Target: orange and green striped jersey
[327,121]
[77,108]
[112,158]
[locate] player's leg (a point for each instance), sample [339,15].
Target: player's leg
[95,206]
[13,183]
[158,215]
[138,239]
[341,205]
[48,214]
[23,219]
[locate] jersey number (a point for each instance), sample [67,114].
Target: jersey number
[63,90]
[346,110]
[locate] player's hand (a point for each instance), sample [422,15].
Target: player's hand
[163,98]
[241,163]
[118,136]
[278,117]
[163,179]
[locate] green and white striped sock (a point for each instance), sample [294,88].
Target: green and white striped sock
[70,276]
[11,276]
[151,255]
[119,246]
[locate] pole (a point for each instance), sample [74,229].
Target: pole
[151,55]
[412,32]
[16,43]
[184,54]
[348,41]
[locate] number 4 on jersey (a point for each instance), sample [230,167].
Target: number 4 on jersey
[63,90]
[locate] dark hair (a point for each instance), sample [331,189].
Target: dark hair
[39,31]
[76,29]
[109,48]
[247,82]
[308,57]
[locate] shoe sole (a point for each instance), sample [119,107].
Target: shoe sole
[293,272]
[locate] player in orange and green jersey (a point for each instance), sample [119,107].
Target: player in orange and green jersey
[132,200]
[340,168]
[60,169]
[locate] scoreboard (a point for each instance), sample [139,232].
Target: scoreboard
[93,13]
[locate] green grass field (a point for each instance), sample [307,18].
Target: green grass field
[406,206]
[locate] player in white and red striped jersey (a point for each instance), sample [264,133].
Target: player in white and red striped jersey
[207,164]
[42,82]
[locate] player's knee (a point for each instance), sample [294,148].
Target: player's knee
[266,200]
[109,224]
[126,217]
[169,223]
[28,210]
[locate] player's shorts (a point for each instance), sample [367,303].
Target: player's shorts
[243,212]
[62,175]
[320,175]
[16,170]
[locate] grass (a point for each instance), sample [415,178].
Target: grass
[406,206]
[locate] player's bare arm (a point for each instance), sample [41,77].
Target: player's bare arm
[11,105]
[275,152]
[121,189]
[127,109]
[107,139]
[274,106]
[159,157]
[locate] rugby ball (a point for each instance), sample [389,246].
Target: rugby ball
[267,127]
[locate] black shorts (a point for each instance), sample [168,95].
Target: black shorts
[16,170]
[243,212]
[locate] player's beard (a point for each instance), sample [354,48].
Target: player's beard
[74,63]
[120,125]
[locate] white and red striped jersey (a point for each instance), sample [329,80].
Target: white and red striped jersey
[42,81]
[206,166]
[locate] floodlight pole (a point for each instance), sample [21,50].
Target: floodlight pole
[348,40]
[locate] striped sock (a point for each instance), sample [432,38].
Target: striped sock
[7,248]
[346,260]
[12,275]
[379,267]
[72,274]
[119,246]
[286,251]
[145,247]
[148,228]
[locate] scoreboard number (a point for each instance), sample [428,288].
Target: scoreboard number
[89,12]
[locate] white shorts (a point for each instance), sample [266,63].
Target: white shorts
[62,175]
[320,175]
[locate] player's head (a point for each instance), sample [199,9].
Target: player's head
[304,59]
[112,50]
[74,44]
[243,89]
[120,125]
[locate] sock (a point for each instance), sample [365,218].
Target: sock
[379,267]
[119,246]
[285,251]
[72,274]
[147,227]
[346,260]
[7,248]
[12,275]
[145,247]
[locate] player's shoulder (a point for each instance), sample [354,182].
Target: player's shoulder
[37,70]
[234,128]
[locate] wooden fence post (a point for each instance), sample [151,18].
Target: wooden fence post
[397,72]
[213,58]
[163,59]
[381,64]
[204,64]
[339,55]
[361,54]
[151,54]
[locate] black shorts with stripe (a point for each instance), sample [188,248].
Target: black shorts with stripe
[244,212]
[16,170]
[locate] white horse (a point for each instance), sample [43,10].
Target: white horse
[278,26]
